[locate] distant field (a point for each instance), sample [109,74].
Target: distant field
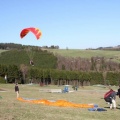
[114,55]
[108,54]
[85,53]
[2,51]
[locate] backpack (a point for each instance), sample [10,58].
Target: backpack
[108,95]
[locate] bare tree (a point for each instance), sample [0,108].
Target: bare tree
[24,70]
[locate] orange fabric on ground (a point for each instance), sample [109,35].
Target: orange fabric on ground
[60,103]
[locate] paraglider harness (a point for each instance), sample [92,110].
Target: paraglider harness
[31,62]
[108,96]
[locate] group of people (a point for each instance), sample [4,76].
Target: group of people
[110,97]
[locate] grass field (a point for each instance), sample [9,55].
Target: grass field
[115,55]
[2,51]
[83,53]
[108,54]
[12,109]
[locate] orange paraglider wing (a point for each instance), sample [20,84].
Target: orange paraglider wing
[35,31]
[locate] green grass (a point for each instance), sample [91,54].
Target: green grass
[85,53]
[41,58]
[2,51]
[108,54]
[12,109]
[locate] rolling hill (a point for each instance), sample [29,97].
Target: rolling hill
[114,55]
[47,59]
[42,59]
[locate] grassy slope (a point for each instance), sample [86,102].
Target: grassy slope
[12,109]
[115,55]
[87,53]
[83,53]
[2,51]
[41,59]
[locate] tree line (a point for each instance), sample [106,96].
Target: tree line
[9,46]
[98,64]
[56,69]
[25,74]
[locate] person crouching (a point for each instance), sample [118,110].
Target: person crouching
[110,98]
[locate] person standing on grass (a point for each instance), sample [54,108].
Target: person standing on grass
[17,90]
[118,93]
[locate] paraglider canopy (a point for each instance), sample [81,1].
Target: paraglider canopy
[37,34]
[35,31]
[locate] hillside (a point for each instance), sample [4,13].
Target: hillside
[42,59]
[109,53]
[114,55]
[84,60]
[39,58]
[52,59]
[2,51]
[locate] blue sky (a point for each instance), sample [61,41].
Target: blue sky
[76,24]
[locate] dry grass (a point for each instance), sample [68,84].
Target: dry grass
[12,109]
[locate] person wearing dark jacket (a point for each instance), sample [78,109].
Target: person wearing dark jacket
[118,93]
[17,90]
[110,98]
[113,98]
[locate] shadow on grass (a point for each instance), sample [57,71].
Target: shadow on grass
[109,108]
